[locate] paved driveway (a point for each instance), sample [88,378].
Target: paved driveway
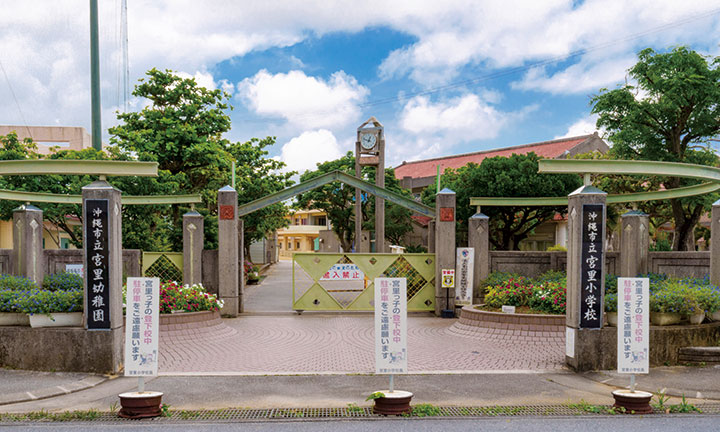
[265,341]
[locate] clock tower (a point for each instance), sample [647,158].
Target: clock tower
[370,151]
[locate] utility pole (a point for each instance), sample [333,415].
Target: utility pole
[95,77]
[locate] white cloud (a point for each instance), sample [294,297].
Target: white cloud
[304,152]
[305,100]
[202,77]
[431,129]
[583,126]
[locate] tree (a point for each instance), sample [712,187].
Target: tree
[258,176]
[338,201]
[514,176]
[669,113]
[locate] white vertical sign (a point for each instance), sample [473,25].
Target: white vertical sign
[390,325]
[141,326]
[465,261]
[633,326]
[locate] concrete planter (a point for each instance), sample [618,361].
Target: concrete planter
[715,316]
[135,405]
[395,403]
[665,318]
[611,318]
[697,318]
[637,402]
[14,319]
[57,319]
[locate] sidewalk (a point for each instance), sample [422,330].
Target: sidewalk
[337,391]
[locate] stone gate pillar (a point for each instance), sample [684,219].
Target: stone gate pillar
[585,278]
[27,243]
[102,265]
[444,249]
[479,239]
[228,282]
[634,243]
[193,240]
[431,236]
[715,244]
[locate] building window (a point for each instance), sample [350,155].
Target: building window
[280,245]
[297,244]
[322,221]
[64,243]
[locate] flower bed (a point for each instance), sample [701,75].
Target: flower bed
[178,298]
[547,293]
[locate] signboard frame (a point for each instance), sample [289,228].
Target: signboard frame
[592,266]
[633,326]
[142,327]
[97,264]
[464,263]
[390,326]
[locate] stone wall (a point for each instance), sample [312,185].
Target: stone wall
[680,264]
[69,349]
[532,264]
[665,344]
[56,259]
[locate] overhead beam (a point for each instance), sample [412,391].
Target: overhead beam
[645,168]
[78,167]
[682,192]
[40,197]
[329,178]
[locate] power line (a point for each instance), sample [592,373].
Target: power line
[17,104]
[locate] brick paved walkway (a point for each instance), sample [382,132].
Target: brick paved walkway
[343,343]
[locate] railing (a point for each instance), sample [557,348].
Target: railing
[337,281]
[164,265]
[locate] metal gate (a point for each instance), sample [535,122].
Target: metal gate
[336,281]
[168,266]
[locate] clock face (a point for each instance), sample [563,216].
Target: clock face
[367,141]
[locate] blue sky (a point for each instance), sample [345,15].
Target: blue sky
[443,77]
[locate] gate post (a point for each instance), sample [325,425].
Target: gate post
[228,251]
[444,249]
[634,243]
[431,236]
[193,239]
[715,244]
[27,243]
[479,239]
[584,347]
[102,262]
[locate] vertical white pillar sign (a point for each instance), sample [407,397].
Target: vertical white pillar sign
[141,327]
[390,325]
[633,326]
[465,260]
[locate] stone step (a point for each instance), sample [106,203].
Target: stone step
[699,354]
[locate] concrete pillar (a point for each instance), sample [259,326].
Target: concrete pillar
[634,243]
[479,239]
[102,262]
[27,243]
[193,240]
[228,283]
[444,250]
[241,265]
[715,244]
[585,276]
[431,236]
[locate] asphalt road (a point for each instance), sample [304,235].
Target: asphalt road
[686,423]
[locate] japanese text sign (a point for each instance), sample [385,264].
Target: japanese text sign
[97,276]
[343,272]
[390,325]
[633,327]
[464,263]
[592,259]
[448,278]
[141,326]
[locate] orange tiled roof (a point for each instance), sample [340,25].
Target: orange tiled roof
[428,167]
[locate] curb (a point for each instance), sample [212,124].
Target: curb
[48,392]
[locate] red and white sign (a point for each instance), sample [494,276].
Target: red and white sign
[343,272]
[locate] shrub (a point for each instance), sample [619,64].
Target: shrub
[16,283]
[549,297]
[611,302]
[515,292]
[672,295]
[48,302]
[709,298]
[557,248]
[500,278]
[186,298]
[62,282]
[551,276]
[10,299]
